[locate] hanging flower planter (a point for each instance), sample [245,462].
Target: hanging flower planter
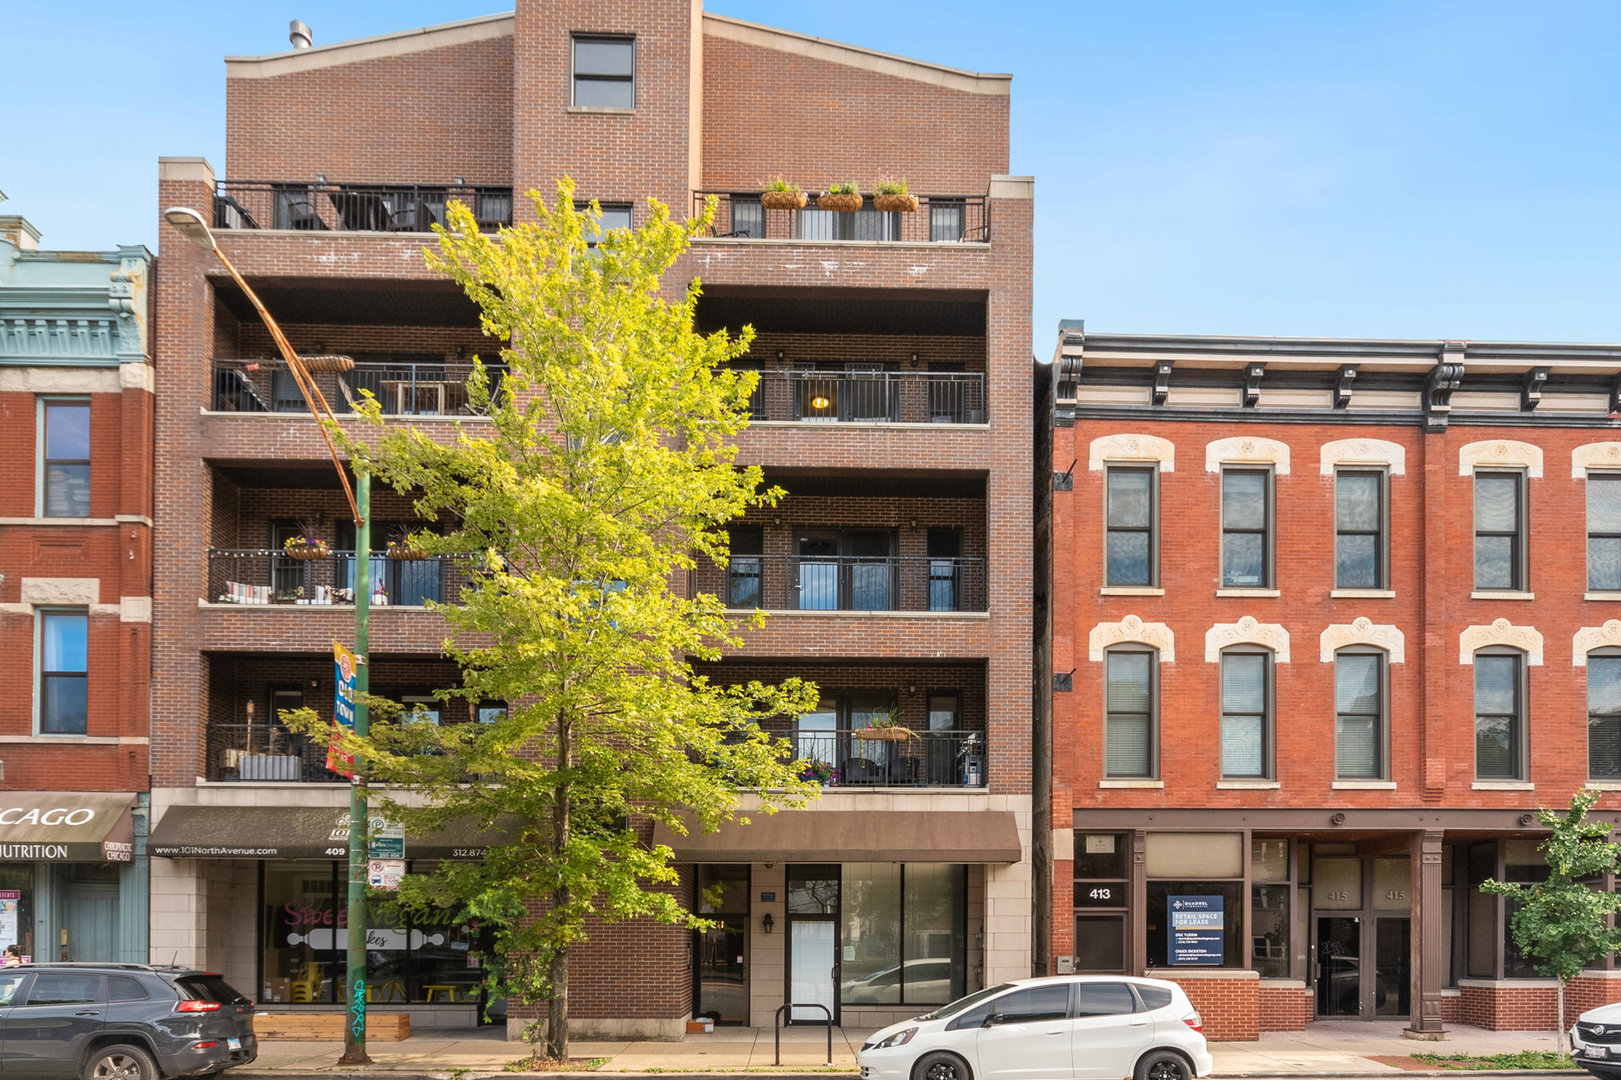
[839,198]
[782,200]
[405,552]
[328,363]
[885,734]
[297,547]
[890,195]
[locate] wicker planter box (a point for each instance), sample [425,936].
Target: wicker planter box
[842,204]
[328,363]
[405,554]
[782,200]
[885,734]
[890,203]
[308,552]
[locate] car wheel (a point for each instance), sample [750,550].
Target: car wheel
[941,1066]
[120,1063]
[1163,1065]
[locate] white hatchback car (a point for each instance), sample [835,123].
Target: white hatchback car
[1088,1027]
[1595,1041]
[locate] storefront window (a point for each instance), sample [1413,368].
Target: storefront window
[17,908]
[410,958]
[1269,906]
[1483,925]
[1230,944]
[1522,863]
[904,934]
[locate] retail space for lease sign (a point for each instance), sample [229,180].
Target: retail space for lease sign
[1197,927]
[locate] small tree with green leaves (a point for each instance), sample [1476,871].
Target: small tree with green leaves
[1562,923]
[604,473]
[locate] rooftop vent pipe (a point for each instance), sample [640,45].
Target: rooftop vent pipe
[299,34]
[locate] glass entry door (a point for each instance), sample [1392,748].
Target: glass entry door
[1339,966]
[813,934]
[1392,966]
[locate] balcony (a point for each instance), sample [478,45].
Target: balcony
[853,759]
[405,388]
[939,219]
[266,753]
[375,208]
[266,576]
[869,396]
[846,583]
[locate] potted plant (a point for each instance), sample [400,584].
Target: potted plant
[890,194]
[840,198]
[885,727]
[782,194]
[305,544]
[400,549]
[818,771]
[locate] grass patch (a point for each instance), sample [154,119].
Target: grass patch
[537,1063]
[1524,1059]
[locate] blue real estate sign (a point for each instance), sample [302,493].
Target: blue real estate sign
[1197,926]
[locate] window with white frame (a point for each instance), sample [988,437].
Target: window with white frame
[63,667]
[1246,714]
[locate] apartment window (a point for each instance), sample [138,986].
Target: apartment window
[743,569]
[1128,723]
[1500,710]
[64,646]
[1359,715]
[946,220]
[604,72]
[1359,529]
[1499,530]
[614,216]
[1604,532]
[945,585]
[1131,556]
[1604,716]
[1246,528]
[64,458]
[1246,715]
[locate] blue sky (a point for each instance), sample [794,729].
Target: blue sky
[1359,169]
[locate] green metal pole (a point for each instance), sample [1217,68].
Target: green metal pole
[354,1037]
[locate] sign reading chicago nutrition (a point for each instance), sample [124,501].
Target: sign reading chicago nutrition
[343,711]
[1197,926]
[66,826]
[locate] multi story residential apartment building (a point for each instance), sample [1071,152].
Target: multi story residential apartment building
[75,597]
[894,408]
[1331,618]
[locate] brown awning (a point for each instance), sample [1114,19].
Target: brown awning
[293,832]
[835,836]
[66,826]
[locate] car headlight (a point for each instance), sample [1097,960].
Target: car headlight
[900,1038]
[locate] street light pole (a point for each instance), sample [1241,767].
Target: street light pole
[190,224]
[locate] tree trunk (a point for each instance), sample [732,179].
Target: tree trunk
[557,1008]
[1563,1046]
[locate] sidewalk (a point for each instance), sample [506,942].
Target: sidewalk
[1327,1048]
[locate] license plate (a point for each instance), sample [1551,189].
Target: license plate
[1598,1051]
[233,1044]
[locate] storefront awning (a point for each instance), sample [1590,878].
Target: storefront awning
[66,826]
[838,836]
[285,832]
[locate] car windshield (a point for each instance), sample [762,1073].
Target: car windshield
[970,1001]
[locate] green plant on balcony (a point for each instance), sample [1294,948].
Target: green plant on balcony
[400,549]
[889,194]
[781,193]
[886,726]
[305,544]
[840,198]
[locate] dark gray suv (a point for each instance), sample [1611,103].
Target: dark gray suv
[121,1022]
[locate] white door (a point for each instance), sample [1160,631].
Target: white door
[1109,1034]
[1028,1036]
[810,973]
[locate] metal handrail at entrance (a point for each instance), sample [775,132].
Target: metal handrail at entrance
[804,1005]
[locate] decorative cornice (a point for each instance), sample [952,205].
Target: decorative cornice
[1501,632]
[1246,631]
[1131,629]
[1131,447]
[1362,452]
[1594,455]
[1589,638]
[1362,631]
[1508,453]
[1247,450]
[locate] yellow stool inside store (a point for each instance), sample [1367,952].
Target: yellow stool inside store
[432,990]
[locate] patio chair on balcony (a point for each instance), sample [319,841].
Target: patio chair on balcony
[230,214]
[360,211]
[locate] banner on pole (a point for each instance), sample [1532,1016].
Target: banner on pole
[343,711]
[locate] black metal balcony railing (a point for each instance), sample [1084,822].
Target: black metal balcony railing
[938,219]
[266,752]
[845,583]
[869,397]
[853,758]
[405,388]
[257,576]
[322,206]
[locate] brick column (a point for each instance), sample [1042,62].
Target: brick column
[1426,963]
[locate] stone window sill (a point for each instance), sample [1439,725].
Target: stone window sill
[1585,596]
[1246,785]
[1130,590]
[1156,784]
[1502,785]
[1364,785]
[1363,594]
[602,110]
[1501,594]
[1248,592]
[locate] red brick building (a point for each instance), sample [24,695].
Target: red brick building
[75,597]
[1330,619]
[894,407]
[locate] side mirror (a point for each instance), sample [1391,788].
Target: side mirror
[992,1019]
